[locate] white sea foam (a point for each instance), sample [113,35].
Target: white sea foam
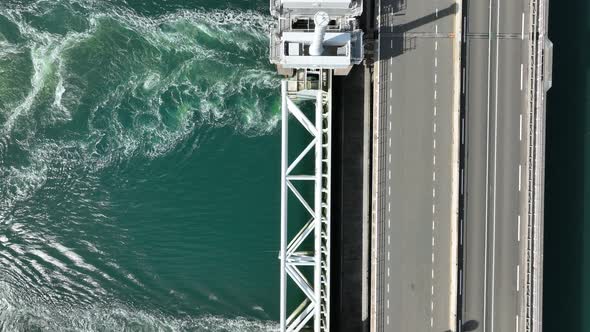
[220,81]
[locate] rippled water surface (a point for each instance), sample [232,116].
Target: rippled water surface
[139,166]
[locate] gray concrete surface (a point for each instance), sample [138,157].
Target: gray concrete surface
[415,105]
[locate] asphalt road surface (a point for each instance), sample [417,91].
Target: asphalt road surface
[415,93]
[496,139]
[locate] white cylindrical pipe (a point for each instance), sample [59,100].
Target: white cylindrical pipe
[321,20]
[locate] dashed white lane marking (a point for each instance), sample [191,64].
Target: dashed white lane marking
[390,93]
[521,70]
[388,207]
[434,177]
[520,127]
[516,323]
[388,242]
[390,76]
[389,174]
[390,109]
[389,125]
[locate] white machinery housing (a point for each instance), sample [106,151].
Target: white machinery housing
[308,26]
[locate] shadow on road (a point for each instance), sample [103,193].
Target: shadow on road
[470,325]
[393,39]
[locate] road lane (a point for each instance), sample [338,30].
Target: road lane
[496,157]
[416,105]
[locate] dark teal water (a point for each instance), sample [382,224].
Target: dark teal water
[139,166]
[567,204]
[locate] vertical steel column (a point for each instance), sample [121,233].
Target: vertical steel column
[318,210]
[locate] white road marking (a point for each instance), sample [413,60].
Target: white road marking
[434,128]
[436,45]
[434,143]
[391,76]
[390,93]
[388,242]
[433,176]
[432,208]
[516,323]
[434,160]
[436,29]
[388,256]
[389,191]
[520,127]
[387,319]
[495,167]
[436,12]
[436,62]
[390,142]
[461,232]
[389,157]
[435,78]
[463,74]
[387,303]
[433,192]
[389,125]
[434,110]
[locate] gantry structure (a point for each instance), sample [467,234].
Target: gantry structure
[311,41]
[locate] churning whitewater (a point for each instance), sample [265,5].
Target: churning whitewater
[120,132]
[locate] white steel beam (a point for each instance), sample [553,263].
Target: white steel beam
[315,303]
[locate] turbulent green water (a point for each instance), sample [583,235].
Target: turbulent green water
[139,166]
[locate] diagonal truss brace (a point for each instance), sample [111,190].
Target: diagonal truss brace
[316,301]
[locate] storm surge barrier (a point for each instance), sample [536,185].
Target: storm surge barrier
[312,41]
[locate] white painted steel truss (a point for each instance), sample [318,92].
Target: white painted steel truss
[314,310]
